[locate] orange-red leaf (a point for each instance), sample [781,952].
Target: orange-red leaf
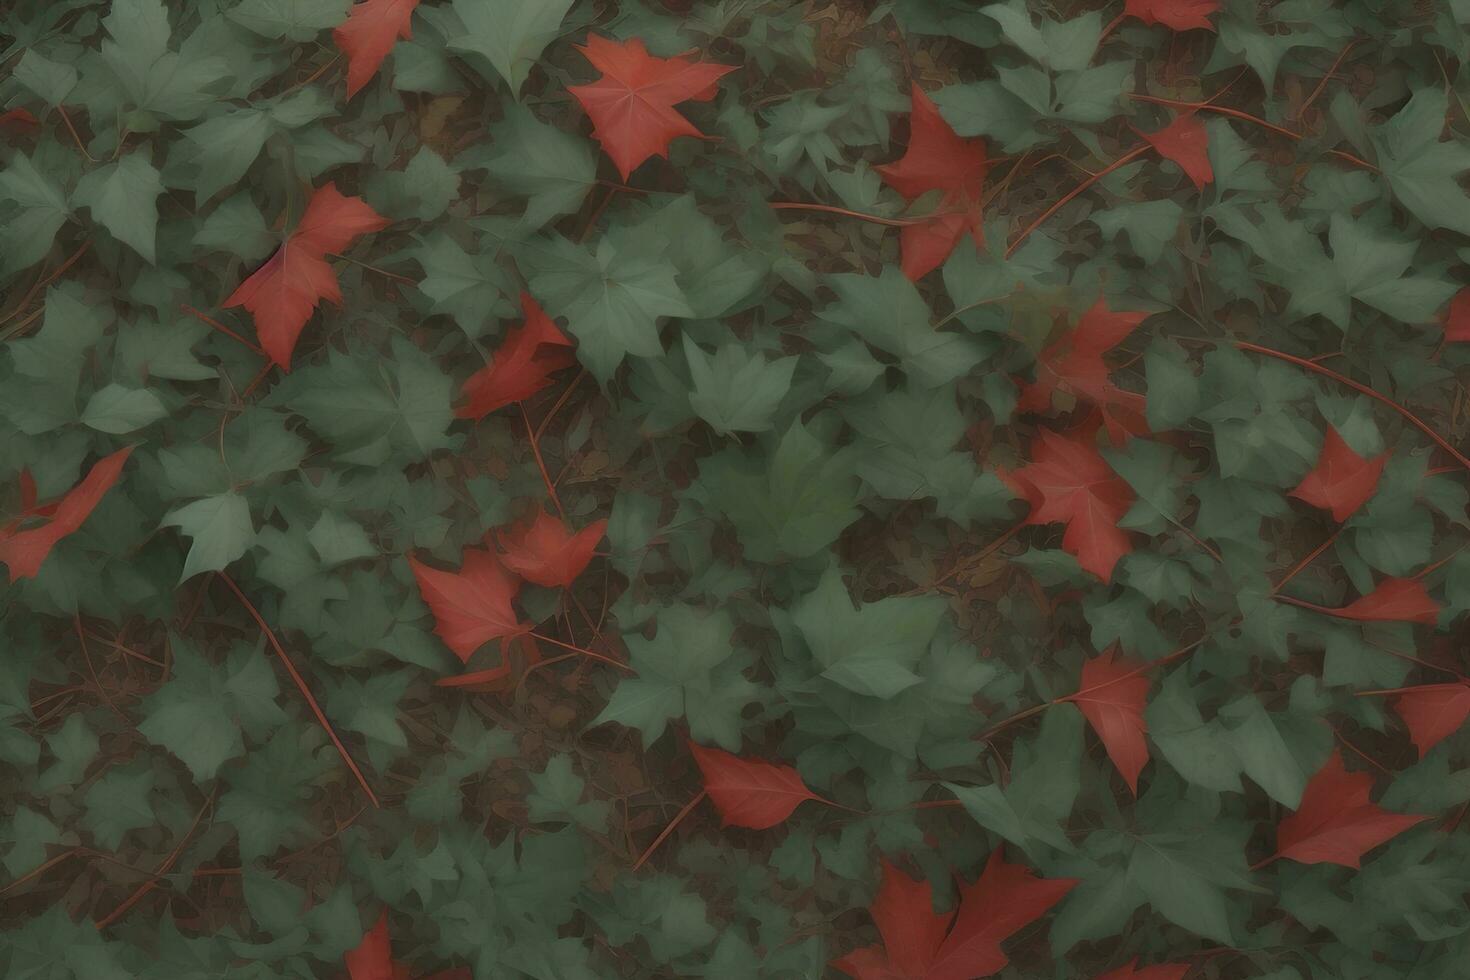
[544,551]
[938,159]
[919,944]
[24,551]
[1186,142]
[1342,481]
[1433,712]
[368,34]
[283,292]
[750,793]
[632,105]
[18,118]
[1457,318]
[1068,481]
[1074,365]
[1112,696]
[1160,971]
[372,959]
[1179,15]
[1395,600]
[522,366]
[1336,823]
[472,606]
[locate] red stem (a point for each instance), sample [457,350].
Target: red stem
[1247,117]
[186,308]
[160,871]
[1125,158]
[540,463]
[669,829]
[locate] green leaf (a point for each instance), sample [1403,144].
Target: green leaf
[339,539]
[117,803]
[294,20]
[509,34]
[736,391]
[50,80]
[37,210]
[221,528]
[123,196]
[552,168]
[117,410]
[1420,168]
[556,794]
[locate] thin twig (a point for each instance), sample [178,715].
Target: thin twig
[211,321]
[162,869]
[1065,198]
[668,829]
[541,463]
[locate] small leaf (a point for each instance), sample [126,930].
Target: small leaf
[750,793]
[1336,823]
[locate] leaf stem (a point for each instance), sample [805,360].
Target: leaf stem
[541,463]
[830,209]
[584,652]
[211,321]
[668,829]
[159,872]
[1065,198]
[1244,116]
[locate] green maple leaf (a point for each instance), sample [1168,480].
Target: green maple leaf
[295,20]
[221,528]
[552,168]
[509,34]
[737,391]
[1421,169]
[117,803]
[37,210]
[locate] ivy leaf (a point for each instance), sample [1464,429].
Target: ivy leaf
[751,793]
[1433,712]
[123,196]
[1336,823]
[119,802]
[24,550]
[370,31]
[1420,168]
[509,34]
[1074,366]
[1186,142]
[543,550]
[221,528]
[523,365]
[295,20]
[117,409]
[38,209]
[1393,600]
[471,606]
[632,105]
[550,167]
[1112,697]
[1178,15]
[1342,481]
[735,391]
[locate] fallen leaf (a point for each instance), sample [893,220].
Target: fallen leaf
[522,366]
[1112,696]
[1433,712]
[632,105]
[24,551]
[1185,142]
[750,793]
[1395,600]
[368,34]
[1179,15]
[1342,481]
[1160,971]
[18,119]
[1457,318]
[1074,365]
[372,959]
[1068,481]
[472,606]
[544,551]
[1336,823]
[937,159]
[283,292]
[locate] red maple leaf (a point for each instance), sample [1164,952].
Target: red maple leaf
[1336,823]
[1179,15]
[1457,318]
[24,551]
[1433,712]
[1342,481]
[368,34]
[1159,971]
[1112,696]
[522,366]
[544,551]
[1068,481]
[1395,600]
[938,159]
[372,959]
[1074,365]
[919,944]
[472,606]
[283,292]
[750,793]
[1185,142]
[18,119]
[632,105]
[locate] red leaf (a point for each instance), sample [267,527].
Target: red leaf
[368,34]
[1457,318]
[1433,712]
[1074,365]
[1112,697]
[938,159]
[543,551]
[750,793]
[1186,143]
[1068,481]
[472,606]
[19,119]
[1396,600]
[23,552]
[372,959]
[1161,971]
[1179,15]
[522,366]
[912,931]
[1336,824]
[1342,481]
[283,292]
[632,105]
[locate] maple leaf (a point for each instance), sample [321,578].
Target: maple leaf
[1112,696]
[18,119]
[368,34]
[632,105]
[283,292]
[937,159]
[1433,712]
[1159,971]
[471,606]
[372,958]
[1068,481]
[24,551]
[1342,481]
[1457,318]
[1185,142]
[544,551]
[919,944]
[1074,365]
[1178,15]
[1336,823]
[522,366]
[750,793]
[1395,600]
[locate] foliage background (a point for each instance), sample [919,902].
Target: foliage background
[772,419]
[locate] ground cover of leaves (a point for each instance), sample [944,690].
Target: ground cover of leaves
[568,489]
